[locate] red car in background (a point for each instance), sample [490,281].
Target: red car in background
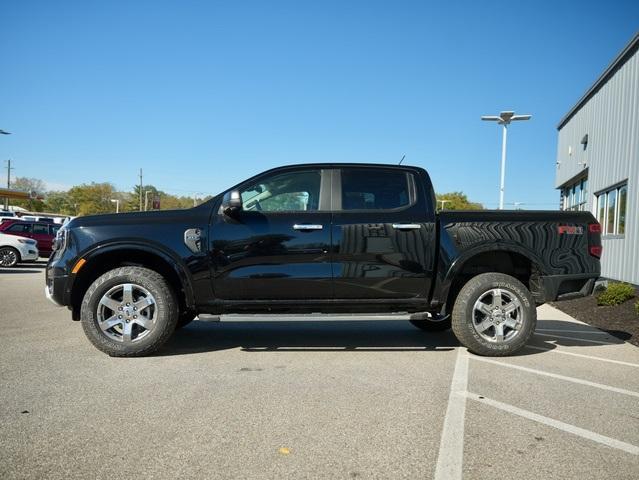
[43,233]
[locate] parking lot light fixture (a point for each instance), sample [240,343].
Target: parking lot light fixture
[117,204]
[504,119]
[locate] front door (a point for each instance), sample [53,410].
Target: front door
[277,247]
[383,235]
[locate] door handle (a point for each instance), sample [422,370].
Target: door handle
[307,226]
[406,226]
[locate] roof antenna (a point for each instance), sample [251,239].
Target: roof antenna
[400,162]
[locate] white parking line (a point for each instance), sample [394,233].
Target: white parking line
[581,355]
[559,377]
[551,422]
[578,339]
[451,446]
[592,332]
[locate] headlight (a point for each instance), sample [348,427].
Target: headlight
[28,241]
[60,242]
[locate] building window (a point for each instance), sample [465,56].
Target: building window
[621,213]
[611,210]
[575,195]
[611,207]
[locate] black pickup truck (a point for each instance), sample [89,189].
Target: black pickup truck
[325,239]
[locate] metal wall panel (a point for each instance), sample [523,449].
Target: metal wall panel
[611,120]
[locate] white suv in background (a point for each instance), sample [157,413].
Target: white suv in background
[17,249]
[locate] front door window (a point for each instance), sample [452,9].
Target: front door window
[285,192]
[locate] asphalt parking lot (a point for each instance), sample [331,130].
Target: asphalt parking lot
[310,400]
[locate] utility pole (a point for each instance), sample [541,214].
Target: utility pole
[9,168]
[140,189]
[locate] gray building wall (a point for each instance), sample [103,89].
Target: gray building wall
[610,118]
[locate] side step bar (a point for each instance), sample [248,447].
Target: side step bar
[312,317]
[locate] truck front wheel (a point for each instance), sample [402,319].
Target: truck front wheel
[129,312]
[494,315]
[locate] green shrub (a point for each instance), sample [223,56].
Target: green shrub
[616,294]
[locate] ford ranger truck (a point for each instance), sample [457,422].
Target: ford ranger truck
[348,240]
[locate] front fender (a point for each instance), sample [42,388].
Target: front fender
[148,247]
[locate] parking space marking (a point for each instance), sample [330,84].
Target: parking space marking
[591,357]
[600,342]
[451,447]
[592,332]
[551,422]
[559,377]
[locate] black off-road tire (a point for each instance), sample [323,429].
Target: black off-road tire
[462,317]
[429,325]
[10,250]
[166,308]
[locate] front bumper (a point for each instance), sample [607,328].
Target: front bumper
[30,255]
[49,294]
[56,287]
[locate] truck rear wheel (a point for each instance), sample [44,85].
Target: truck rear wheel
[494,315]
[129,312]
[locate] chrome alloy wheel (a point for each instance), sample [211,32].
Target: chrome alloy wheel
[127,313]
[497,315]
[8,257]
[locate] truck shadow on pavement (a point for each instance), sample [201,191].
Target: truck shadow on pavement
[360,336]
[25,268]
[18,269]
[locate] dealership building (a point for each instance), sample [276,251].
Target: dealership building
[598,162]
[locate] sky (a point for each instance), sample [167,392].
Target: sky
[202,94]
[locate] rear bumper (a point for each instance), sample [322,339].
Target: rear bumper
[564,287]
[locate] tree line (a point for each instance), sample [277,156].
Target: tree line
[92,198]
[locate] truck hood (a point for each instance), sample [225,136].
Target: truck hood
[137,218]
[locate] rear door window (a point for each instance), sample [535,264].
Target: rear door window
[40,229]
[375,189]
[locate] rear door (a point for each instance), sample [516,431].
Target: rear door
[40,233]
[383,234]
[278,246]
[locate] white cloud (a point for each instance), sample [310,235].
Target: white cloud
[56,186]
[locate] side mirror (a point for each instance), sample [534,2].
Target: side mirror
[232,202]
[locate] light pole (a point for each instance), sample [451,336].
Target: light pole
[443,202]
[504,119]
[6,201]
[117,204]
[146,199]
